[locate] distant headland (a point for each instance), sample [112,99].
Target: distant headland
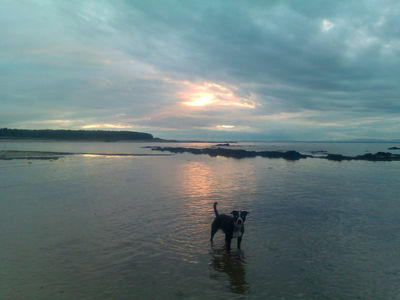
[80,135]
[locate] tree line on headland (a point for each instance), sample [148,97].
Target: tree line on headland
[83,135]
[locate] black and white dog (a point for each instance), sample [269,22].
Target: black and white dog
[233,227]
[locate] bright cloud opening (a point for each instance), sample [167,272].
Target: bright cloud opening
[200,100]
[105,125]
[225,126]
[326,25]
[213,94]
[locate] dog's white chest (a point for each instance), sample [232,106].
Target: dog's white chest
[237,233]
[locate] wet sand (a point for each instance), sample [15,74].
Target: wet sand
[14,154]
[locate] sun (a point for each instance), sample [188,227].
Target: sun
[212,95]
[201,99]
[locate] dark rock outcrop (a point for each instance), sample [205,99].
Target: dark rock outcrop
[234,153]
[336,157]
[288,155]
[379,156]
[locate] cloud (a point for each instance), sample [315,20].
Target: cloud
[212,94]
[282,69]
[106,126]
[326,25]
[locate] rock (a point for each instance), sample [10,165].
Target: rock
[288,155]
[379,156]
[234,153]
[337,157]
[319,152]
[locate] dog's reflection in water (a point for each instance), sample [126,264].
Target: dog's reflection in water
[232,263]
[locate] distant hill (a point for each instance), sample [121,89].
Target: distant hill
[82,135]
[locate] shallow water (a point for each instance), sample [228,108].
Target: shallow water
[138,227]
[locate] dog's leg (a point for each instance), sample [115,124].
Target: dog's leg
[214,229]
[239,241]
[228,239]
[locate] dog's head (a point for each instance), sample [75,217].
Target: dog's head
[239,217]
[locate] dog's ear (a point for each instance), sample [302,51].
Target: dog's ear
[244,213]
[235,213]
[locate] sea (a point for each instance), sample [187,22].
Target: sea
[97,225]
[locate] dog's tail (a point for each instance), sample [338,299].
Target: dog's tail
[215,209]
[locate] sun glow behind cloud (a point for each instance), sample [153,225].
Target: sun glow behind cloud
[225,126]
[200,100]
[210,94]
[105,125]
[326,25]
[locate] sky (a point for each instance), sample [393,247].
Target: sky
[211,70]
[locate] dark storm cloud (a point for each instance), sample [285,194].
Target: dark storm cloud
[315,69]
